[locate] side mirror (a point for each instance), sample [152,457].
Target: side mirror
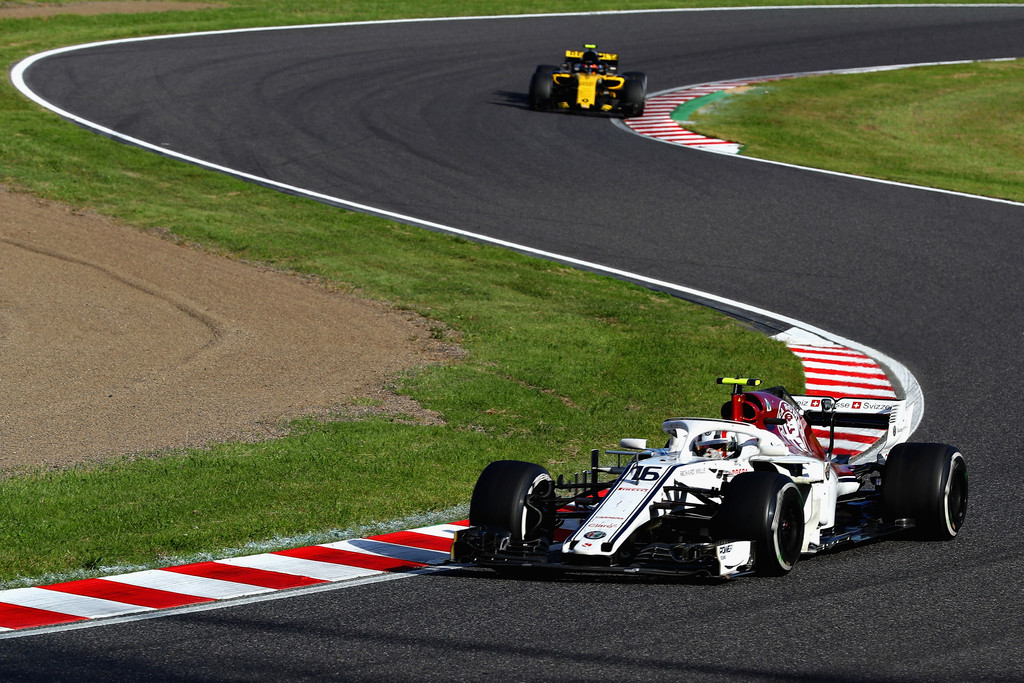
[634,444]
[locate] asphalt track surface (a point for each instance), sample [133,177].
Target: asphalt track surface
[430,120]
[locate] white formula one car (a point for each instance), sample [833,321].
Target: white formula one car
[749,493]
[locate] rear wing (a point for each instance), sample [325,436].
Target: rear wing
[609,59]
[858,412]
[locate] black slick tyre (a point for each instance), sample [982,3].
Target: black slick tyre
[766,508]
[926,483]
[541,85]
[634,93]
[514,496]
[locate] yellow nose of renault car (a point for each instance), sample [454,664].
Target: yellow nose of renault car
[588,81]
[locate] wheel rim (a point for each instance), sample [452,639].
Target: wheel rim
[534,509]
[789,534]
[956,500]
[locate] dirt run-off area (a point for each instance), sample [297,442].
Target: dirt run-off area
[113,341]
[12,10]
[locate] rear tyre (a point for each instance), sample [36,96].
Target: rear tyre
[926,482]
[541,85]
[517,497]
[766,508]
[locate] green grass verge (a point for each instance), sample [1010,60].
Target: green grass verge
[559,361]
[956,127]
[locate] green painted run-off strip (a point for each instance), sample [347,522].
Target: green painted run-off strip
[681,114]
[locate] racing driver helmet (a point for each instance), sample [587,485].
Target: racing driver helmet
[714,445]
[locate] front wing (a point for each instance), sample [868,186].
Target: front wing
[857,521]
[494,548]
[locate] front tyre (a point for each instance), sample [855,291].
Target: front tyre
[926,482]
[541,87]
[766,508]
[516,497]
[634,93]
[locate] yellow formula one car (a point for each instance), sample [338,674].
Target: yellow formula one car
[588,80]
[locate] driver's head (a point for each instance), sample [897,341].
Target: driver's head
[712,445]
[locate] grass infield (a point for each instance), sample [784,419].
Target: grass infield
[956,127]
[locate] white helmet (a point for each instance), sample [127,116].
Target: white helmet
[714,445]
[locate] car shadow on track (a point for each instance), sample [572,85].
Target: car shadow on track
[507,98]
[521,100]
[534,575]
